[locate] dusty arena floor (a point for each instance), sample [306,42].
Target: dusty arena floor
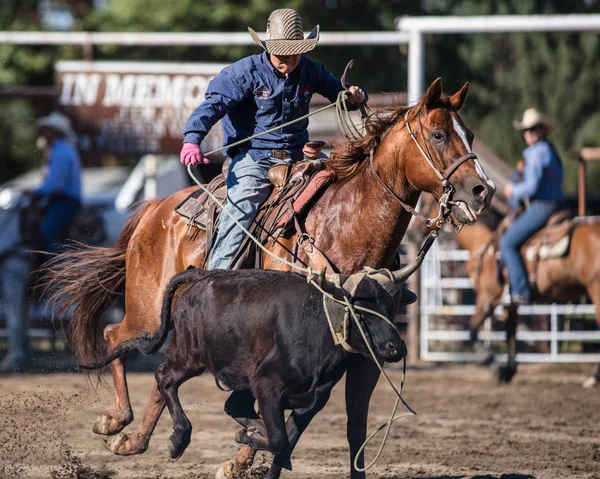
[542,426]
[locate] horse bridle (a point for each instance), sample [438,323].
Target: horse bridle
[446,188]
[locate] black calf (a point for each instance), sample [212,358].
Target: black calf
[264,335]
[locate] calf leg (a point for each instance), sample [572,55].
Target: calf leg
[300,419]
[268,394]
[240,406]
[169,377]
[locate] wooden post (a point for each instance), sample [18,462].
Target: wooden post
[582,156]
[414,326]
[581,193]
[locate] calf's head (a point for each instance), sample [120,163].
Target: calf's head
[384,337]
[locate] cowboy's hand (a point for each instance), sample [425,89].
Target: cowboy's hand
[311,152]
[356,94]
[508,187]
[191,155]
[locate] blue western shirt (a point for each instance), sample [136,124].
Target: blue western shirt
[63,172]
[252,96]
[542,175]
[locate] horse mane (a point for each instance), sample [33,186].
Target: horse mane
[348,155]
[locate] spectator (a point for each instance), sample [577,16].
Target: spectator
[60,191]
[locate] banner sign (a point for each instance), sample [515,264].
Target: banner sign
[133,108]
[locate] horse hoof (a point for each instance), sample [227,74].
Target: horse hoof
[590,382]
[244,458]
[225,471]
[106,425]
[505,374]
[122,445]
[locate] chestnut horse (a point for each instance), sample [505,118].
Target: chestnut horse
[416,149]
[558,279]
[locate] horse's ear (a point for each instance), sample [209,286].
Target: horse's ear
[458,99]
[433,94]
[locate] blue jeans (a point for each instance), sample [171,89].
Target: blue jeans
[58,215]
[248,186]
[524,227]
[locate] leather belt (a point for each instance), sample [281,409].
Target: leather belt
[281,154]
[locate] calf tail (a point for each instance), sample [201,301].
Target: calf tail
[148,344]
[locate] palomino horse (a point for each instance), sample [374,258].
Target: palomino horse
[567,278]
[416,149]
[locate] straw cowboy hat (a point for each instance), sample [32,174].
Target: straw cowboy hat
[531,118]
[58,122]
[285,35]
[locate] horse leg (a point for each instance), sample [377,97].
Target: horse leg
[124,444]
[299,421]
[114,420]
[483,309]
[506,373]
[361,378]
[594,293]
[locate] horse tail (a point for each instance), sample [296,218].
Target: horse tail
[148,344]
[88,279]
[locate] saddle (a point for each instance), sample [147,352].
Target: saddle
[295,187]
[552,241]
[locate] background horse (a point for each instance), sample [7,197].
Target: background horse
[564,279]
[366,196]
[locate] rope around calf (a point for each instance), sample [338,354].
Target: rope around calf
[351,308]
[350,132]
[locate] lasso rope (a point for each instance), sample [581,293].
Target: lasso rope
[350,131]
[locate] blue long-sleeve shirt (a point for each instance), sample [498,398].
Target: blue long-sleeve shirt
[542,175]
[252,96]
[63,172]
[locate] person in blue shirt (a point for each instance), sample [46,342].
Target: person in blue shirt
[541,188]
[253,95]
[60,191]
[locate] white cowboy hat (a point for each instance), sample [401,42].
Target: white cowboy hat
[285,35]
[531,118]
[57,121]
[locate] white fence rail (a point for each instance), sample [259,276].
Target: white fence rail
[434,308]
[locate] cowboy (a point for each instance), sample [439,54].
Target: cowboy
[253,95]
[60,191]
[541,188]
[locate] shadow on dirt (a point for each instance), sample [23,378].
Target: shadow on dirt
[483,476]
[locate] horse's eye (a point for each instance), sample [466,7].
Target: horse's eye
[437,136]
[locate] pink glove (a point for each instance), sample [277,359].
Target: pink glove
[192,155]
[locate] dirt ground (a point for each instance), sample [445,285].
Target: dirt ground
[542,426]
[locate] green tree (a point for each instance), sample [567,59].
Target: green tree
[554,72]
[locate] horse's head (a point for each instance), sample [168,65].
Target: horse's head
[441,161]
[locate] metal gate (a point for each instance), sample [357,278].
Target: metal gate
[438,303]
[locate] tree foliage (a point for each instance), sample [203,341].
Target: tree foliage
[554,72]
